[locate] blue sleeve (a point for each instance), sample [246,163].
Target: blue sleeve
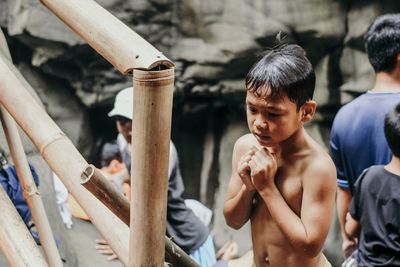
[34,175]
[336,153]
[16,193]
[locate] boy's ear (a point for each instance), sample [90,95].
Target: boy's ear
[308,110]
[398,61]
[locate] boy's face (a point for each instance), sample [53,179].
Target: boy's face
[124,127]
[272,120]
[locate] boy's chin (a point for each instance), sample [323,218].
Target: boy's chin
[264,141]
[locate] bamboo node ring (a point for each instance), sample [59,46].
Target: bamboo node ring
[57,137]
[31,190]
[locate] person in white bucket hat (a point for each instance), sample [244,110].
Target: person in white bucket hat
[187,230]
[123,105]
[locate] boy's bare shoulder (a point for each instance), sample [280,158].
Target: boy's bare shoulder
[319,164]
[245,142]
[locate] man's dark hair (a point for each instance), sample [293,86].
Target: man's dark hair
[283,70]
[109,152]
[382,42]
[392,130]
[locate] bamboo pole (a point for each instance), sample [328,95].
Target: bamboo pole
[3,45]
[16,241]
[151,131]
[94,181]
[101,188]
[111,38]
[61,155]
[31,192]
[5,52]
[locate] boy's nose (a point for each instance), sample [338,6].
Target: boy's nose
[260,123]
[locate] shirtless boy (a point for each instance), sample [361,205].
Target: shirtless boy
[282,180]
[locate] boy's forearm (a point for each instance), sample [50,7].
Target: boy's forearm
[343,202]
[352,227]
[237,210]
[290,223]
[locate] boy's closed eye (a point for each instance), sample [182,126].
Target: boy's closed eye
[252,109]
[273,115]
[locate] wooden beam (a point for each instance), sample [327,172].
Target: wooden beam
[94,181]
[30,190]
[111,38]
[16,241]
[61,155]
[151,131]
[102,189]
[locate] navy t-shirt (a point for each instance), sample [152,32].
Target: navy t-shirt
[376,205]
[357,136]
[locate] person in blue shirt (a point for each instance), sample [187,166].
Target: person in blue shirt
[374,217]
[357,137]
[9,181]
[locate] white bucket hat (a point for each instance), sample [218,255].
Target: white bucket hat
[123,105]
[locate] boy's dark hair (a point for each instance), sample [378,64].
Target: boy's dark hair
[109,152]
[382,42]
[283,70]
[392,130]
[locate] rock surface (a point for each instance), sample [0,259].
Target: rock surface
[213,44]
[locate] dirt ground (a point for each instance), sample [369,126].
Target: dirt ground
[82,237]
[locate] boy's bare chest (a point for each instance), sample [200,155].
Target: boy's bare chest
[289,184]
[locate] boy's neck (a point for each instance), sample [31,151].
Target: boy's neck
[294,144]
[394,166]
[387,81]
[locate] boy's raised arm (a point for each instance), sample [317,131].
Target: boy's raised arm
[239,202]
[352,226]
[307,232]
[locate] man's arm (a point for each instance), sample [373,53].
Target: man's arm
[342,204]
[307,232]
[119,178]
[343,193]
[352,227]
[239,202]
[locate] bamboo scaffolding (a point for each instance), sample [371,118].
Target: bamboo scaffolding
[126,50]
[151,131]
[61,155]
[31,192]
[102,189]
[115,41]
[16,241]
[3,46]
[5,53]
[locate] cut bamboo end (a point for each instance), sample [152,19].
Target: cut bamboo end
[96,183]
[87,174]
[150,76]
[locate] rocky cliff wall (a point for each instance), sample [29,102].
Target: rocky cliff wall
[213,44]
